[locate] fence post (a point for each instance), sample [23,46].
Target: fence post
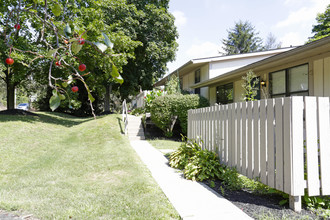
[297,153]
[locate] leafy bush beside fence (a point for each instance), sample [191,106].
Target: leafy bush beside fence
[165,110]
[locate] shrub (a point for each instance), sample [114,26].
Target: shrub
[150,97]
[137,111]
[203,165]
[180,158]
[165,110]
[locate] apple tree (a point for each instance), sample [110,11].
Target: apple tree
[57,36]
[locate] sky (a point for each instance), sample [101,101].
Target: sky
[202,24]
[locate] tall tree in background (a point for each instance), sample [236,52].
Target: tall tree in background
[271,43]
[242,39]
[322,28]
[150,23]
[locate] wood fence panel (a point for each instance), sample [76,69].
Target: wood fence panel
[250,140]
[234,135]
[244,140]
[222,127]
[263,143]
[279,142]
[239,137]
[214,128]
[324,130]
[287,145]
[230,134]
[270,143]
[297,157]
[218,131]
[226,135]
[256,136]
[312,146]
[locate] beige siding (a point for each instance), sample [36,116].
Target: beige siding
[318,77]
[327,76]
[238,91]
[213,95]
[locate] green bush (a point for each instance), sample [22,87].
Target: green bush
[203,165]
[165,110]
[180,158]
[137,111]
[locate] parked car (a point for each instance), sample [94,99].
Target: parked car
[23,106]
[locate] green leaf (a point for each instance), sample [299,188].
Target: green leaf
[114,72]
[75,47]
[54,102]
[107,41]
[57,10]
[284,201]
[62,97]
[64,84]
[91,97]
[102,47]
[73,39]
[54,92]
[67,29]
[119,79]
[51,53]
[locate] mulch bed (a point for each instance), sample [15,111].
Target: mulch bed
[265,206]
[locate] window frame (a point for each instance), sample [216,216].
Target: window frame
[225,86]
[197,80]
[287,93]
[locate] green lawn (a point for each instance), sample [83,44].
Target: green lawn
[165,144]
[60,167]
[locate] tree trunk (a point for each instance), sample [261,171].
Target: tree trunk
[108,90]
[10,96]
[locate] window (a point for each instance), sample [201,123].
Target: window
[290,82]
[225,94]
[197,80]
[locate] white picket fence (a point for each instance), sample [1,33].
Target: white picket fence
[265,139]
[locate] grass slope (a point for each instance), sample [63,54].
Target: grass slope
[57,167]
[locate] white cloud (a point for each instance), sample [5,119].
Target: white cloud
[205,49]
[304,16]
[180,18]
[292,39]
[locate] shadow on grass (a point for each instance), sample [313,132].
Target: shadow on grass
[47,117]
[120,125]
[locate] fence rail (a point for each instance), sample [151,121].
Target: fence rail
[275,140]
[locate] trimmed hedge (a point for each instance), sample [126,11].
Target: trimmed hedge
[165,109]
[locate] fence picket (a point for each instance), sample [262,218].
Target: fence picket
[222,125]
[271,143]
[311,146]
[263,142]
[297,156]
[324,130]
[279,143]
[250,141]
[239,137]
[256,145]
[244,138]
[230,133]
[234,135]
[287,145]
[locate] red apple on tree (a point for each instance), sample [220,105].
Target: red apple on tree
[82,67]
[58,63]
[17,26]
[75,89]
[81,41]
[9,61]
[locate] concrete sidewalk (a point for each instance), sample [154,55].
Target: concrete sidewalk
[191,199]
